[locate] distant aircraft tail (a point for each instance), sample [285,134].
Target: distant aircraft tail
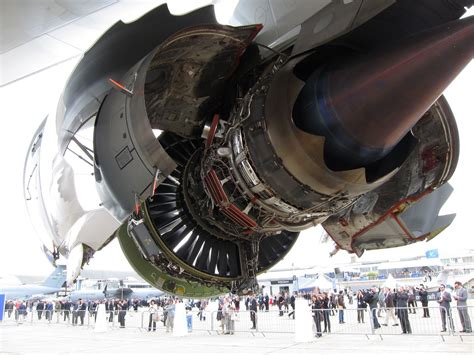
[57,278]
[442,277]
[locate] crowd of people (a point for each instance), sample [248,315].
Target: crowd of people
[384,307]
[74,312]
[397,304]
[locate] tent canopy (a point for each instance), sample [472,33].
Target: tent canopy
[308,284]
[390,282]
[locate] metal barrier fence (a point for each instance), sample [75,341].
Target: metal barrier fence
[352,321]
[71,318]
[347,321]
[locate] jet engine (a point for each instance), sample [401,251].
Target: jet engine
[215,150]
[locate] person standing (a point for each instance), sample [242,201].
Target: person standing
[333,302]
[40,308]
[170,309]
[49,311]
[350,296]
[372,299]
[402,307]
[389,307]
[22,312]
[66,310]
[81,312]
[202,310]
[75,307]
[281,301]
[327,320]
[424,302]
[154,317]
[445,308]
[122,308]
[361,306]
[381,303]
[316,307]
[461,299]
[220,314]
[292,304]
[253,311]
[9,308]
[341,306]
[228,313]
[411,300]
[110,307]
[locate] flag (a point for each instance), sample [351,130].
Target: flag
[430,254]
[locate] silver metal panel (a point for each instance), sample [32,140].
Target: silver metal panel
[278,17]
[422,217]
[337,18]
[23,20]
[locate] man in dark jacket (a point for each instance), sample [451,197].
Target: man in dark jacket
[292,304]
[253,312]
[81,312]
[281,302]
[402,304]
[39,309]
[389,307]
[361,306]
[316,307]
[424,302]
[372,299]
[67,310]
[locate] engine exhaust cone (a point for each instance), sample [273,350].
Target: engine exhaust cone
[364,106]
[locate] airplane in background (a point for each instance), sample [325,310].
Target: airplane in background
[447,278]
[137,293]
[122,292]
[431,284]
[88,294]
[54,283]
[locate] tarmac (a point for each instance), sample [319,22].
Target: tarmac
[58,339]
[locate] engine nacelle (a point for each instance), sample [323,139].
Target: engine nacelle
[212,151]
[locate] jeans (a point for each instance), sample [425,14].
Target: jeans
[375,320]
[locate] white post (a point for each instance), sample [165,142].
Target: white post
[180,327]
[101,322]
[303,321]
